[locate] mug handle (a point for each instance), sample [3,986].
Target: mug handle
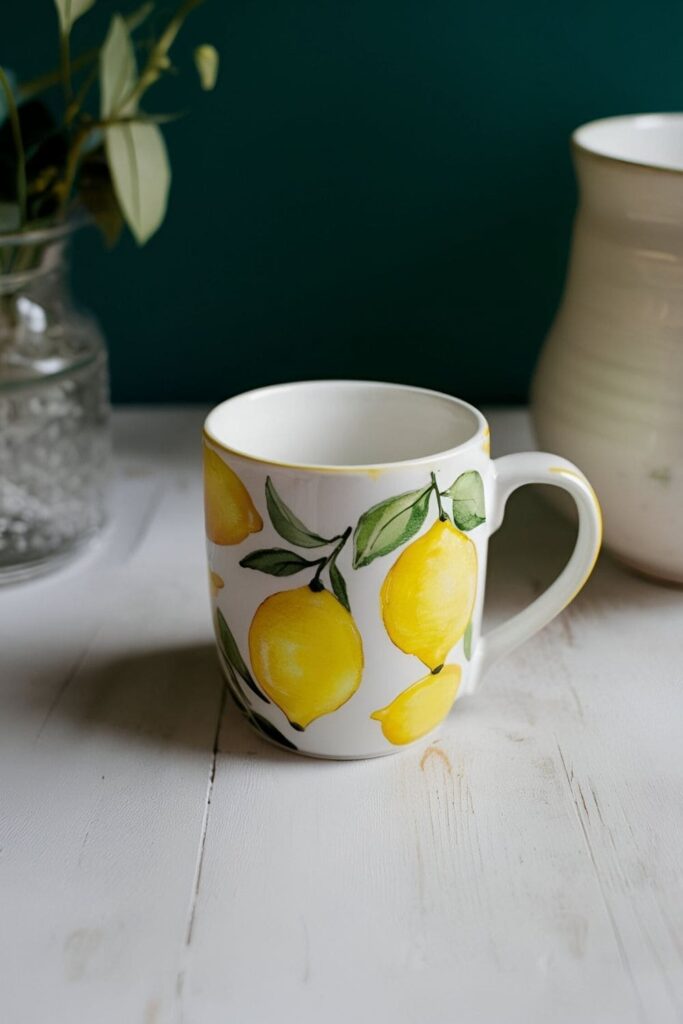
[509,473]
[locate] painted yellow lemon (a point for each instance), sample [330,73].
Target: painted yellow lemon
[421,707]
[229,511]
[216,583]
[428,594]
[306,653]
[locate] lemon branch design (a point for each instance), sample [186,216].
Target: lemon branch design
[389,524]
[237,676]
[283,562]
[428,595]
[442,515]
[304,646]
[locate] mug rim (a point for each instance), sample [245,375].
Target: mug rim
[480,434]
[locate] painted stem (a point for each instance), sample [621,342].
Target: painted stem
[315,583]
[435,487]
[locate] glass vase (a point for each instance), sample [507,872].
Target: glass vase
[54,408]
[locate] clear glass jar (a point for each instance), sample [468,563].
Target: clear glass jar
[54,408]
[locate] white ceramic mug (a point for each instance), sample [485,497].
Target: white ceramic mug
[348,525]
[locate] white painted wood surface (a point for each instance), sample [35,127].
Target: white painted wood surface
[160,864]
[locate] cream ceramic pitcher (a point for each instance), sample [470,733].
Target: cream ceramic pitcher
[608,391]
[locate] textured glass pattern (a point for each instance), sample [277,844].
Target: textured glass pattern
[54,410]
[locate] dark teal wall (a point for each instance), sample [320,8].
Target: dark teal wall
[375,189]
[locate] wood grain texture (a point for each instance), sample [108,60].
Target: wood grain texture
[160,864]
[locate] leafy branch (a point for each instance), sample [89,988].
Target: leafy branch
[283,562]
[392,522]
[120,139]
[236,675]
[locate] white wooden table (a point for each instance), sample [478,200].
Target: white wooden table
[159,863]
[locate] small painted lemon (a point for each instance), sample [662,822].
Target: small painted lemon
[421,707]
[228,509]
[306,652]
[428,594]
[216,583]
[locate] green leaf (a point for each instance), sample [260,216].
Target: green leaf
[386,526]
[69,11]
[141,174]
[468,500]
[118,70]
[233,687]
[339,586]
[139,16]
[259,723]
[467,641]
[136,151]
[276,561]
[287,524]
[232,655]
[262,725]
[206,61]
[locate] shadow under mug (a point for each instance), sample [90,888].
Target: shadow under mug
[347,527]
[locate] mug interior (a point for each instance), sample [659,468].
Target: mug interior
[342,424]
[655,140]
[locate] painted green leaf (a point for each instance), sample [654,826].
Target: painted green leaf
[467,641]
[233,687]
[118,70]
[339,586]
[259,723]
[262,724]
[276,561]
[386,526]
[233,657]
[69,11]
[287,524]
[206,61]
[468,500]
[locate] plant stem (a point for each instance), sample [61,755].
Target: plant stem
[78,100]
[107,122]
[27,90]
[158,56]
[73,159]
[442,515]
[65,65]
[324,562]
[13,115]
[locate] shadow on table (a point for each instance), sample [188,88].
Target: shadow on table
[174,697]
[169,698]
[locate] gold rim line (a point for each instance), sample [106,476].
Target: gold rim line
[373,469]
